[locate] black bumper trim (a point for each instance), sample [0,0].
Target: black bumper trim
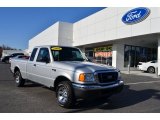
[93,91]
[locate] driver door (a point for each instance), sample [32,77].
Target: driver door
[43,67]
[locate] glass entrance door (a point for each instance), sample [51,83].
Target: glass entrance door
[138,54]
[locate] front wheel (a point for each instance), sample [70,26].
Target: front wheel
[151,70]
[18,79]
[65,95]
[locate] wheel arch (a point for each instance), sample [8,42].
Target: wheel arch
[60,79]
[151,67]
[16,69]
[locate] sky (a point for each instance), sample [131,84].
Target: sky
[19,25]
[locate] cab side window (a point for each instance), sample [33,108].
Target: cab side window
[43,55]
[56,55]
[33,54]
[154,61]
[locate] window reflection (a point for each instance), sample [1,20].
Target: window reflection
[138,54]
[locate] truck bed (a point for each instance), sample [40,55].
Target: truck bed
[19,63]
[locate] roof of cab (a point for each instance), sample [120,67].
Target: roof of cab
[53,46]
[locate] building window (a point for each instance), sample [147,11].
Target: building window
[138,54]
[89,54]
[102,55]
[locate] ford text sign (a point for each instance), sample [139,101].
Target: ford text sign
[136,15]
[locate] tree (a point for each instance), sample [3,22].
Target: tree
[5,47]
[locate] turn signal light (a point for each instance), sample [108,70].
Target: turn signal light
[82,77]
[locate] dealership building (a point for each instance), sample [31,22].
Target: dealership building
[123,35]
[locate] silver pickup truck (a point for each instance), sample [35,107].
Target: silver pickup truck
[68,71]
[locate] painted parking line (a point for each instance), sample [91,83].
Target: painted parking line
[136,83]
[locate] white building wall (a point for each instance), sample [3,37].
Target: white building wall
[159,55]
[118,56]
[47,37]
[65,36]
[107,25]
[114,55]
[60,33]
[9,52]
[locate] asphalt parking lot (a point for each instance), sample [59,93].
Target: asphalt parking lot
[141,94]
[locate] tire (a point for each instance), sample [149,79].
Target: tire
[65,95]
[18,79]
[151,70]
[7,61]
[106,96]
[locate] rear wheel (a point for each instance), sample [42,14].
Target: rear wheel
[18,79]
[151,70]
[7,61]
[65,95]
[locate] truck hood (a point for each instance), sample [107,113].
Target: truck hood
[86,67]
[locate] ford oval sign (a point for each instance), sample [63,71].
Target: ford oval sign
[136,15]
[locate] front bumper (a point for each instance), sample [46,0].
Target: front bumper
[139,67]
[93,91]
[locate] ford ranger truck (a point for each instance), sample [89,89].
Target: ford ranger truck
[68,71]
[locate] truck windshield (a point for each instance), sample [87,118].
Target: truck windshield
[66,54]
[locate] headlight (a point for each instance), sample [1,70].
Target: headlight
[86,77]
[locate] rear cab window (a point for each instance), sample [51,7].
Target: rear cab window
[154,61]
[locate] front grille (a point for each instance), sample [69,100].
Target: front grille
[107,77]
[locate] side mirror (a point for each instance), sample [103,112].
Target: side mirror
[89,60]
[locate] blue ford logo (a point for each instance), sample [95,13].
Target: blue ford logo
[136,15]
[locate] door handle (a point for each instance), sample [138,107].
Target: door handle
[53,69]
[34,65]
